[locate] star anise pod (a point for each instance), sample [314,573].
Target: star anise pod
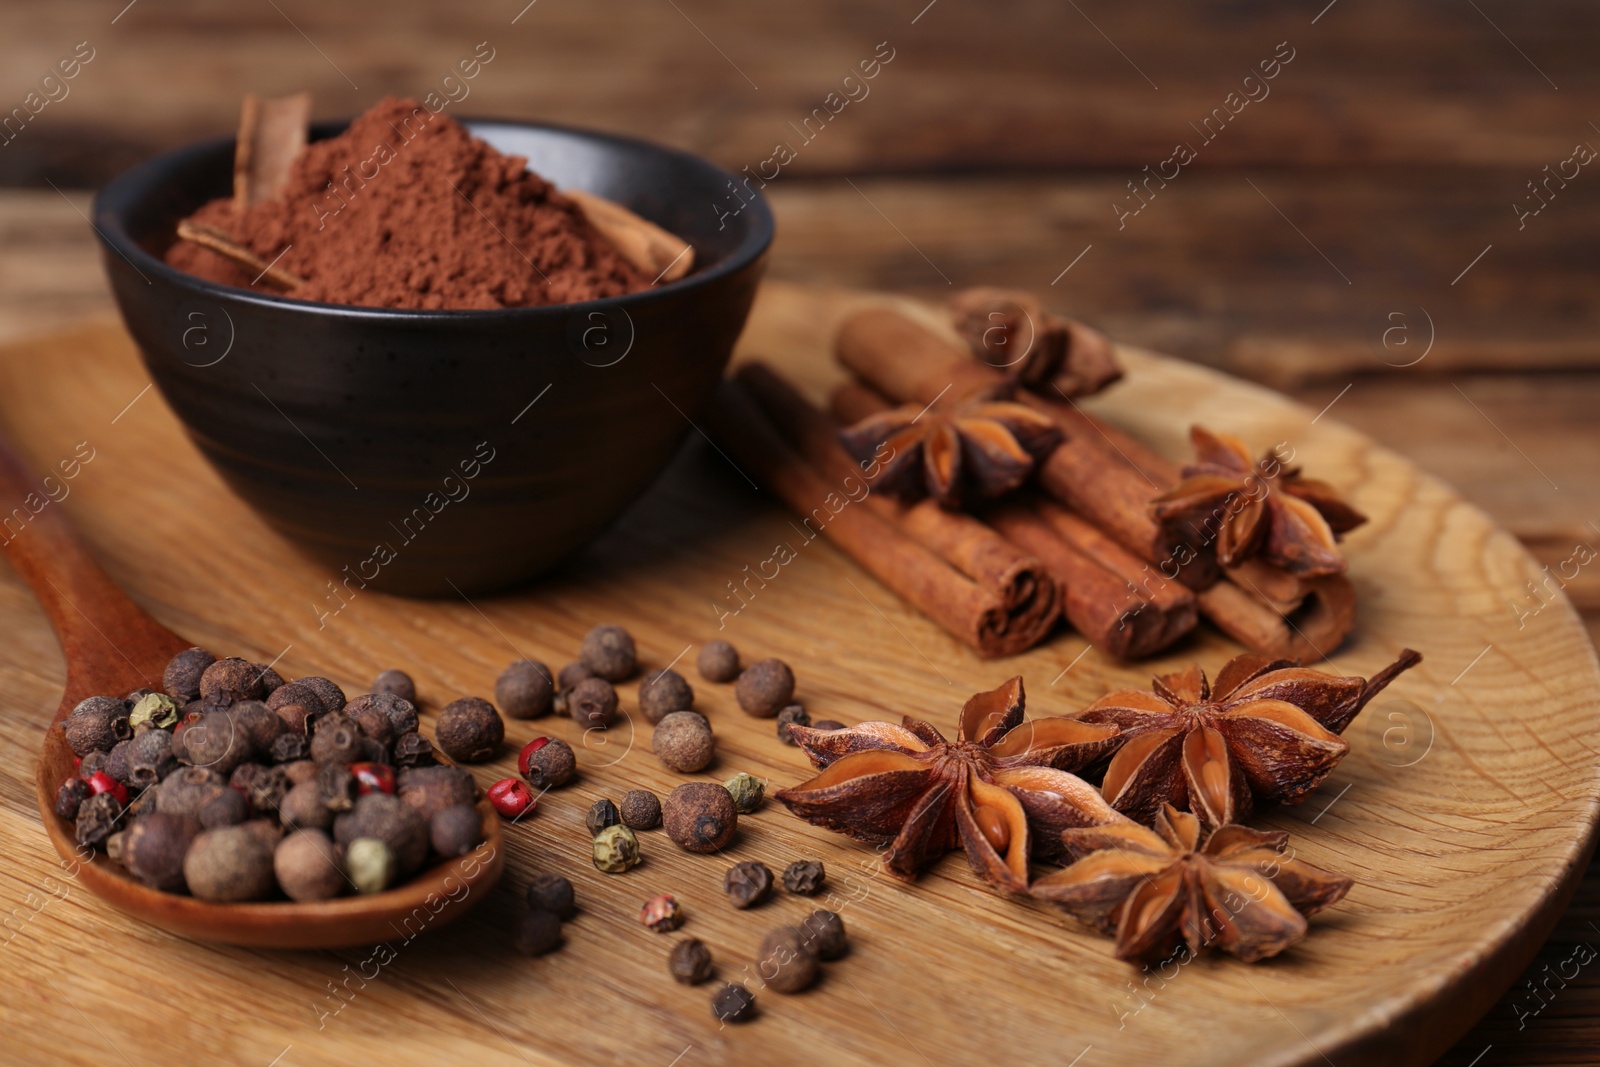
[1233,889]
[1268,730]
[1010,330]
[976,449]
[1000,782]
[1257,509]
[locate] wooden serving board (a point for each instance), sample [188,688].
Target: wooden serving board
[1465,810]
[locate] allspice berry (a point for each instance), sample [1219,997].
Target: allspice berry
[683,741]
[153,849]
[804,877]
[640,809]
[525,689]
[552,893]
[793,715]
[608,651]
[370,865]
[260,724]
[664,692]
[748,884]
[733,1003]
[302,808]
[227,808]
[336,739]
[787,961]
[690,961]
[700,817]
[390,820]
[747,791]
[536,933]
[552,765]
[825,931]
[616,849]
[307,866]
[228,865]
[329,695]
[602,813]
[717,661]
[215,741]
[469,730]
[96,725]
[429,790]
[382,716]
[396,683]
[233,678]
[181,679]
[455,831]
[73,792]
[592,704]
[764,688]
[186,791]
[412,750]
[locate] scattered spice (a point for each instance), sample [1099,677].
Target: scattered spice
[717,661]
[512,798]
[228,865]
[788,960]
[552,893]
[804,877]
[664,692]
[684,742]
[661,913]
[602,813]
[525,689]
[616,849]
[764,688]
[748,884]
[792,715]
[690,961]
[733,1003]
[700,817]
[396,683]
[536,933]
[550,765]
[469,730]
[593,704]
[747,791]
[306,867]
[825,931]
[609,652]
[640,810]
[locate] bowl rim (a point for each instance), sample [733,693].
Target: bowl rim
[113,200]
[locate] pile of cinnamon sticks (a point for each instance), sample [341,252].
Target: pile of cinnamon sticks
[1081,542]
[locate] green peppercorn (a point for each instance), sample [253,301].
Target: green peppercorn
[747,791]
[616,849]
[157,709]
[370,865]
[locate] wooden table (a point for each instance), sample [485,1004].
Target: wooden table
[1318,243]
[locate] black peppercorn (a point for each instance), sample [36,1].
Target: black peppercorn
[825,931]
[592,704]
[684,742]
[97,819]
[96,725]
[748,884]
[793,715]
[525,689]
[602,813]
[307,866]
[181,678]
[153,847]
[469,730]
[690,961]
[390,820]
[664,692]
[329,694]
[94,761]
[536,932]
[382,716]
[455,831]
[640,810]
[396,683]
[235,678]
[412,750]
[718,661]
[804,877]
[337,786]
[764,687]
[787,960]
[552,893]
[700,817]
[429,790]
[608,651]
[733,1003]
[229,864]
[71,795]
[150,758]
[552,765]
[290,748]
[827,724]
[267,788]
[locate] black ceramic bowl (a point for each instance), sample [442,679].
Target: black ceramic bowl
[422,452]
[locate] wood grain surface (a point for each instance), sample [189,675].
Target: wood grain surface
[1464,811]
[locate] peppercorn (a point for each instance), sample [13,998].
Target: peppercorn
[228,864]
[717,661]
[412,750]
[101,782]
[592,704]
[301,770]
[302,808]
[663,693]
[552,893]
[536,933]
[429,790]
[181,678]
[683,741]
[329,695]
[602,813]
[370,864]
[512,798]
[640,810]
[825,931]
[787,961]
[608,651]
[396,683]
[455,831]
[96,724]
[570,675]
[793,715]
[236,678]
[700,817]
[300,696]
[335,739]
[525,689]
[748,884]
[153,847]
[747,791]
[94,761]
[390,820]
[469,730]
[213,741]
[97,818]
[337,786]
[733,1003]
[616,849]
[261,725]
[551,765]
[827,724]
[117,761]
[290,747]
[764,687]
[71,795]
[230,807]
[157,709]
[306,866]
[266,788]
[297,718]
[661,913]
[186,791]
[690,961]
[382,716]
[804,877]
[267,831]
[150,758]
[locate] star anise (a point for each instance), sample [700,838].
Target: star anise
[1232,889]
[1257,509]
[976,449]
[1268,730]
[1040,351]
[1000,782]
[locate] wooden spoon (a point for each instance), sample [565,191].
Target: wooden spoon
[112,646]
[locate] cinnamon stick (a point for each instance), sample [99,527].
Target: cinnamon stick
[662,255]
[272,132]
[224,245]
[925,580]
[1325,615]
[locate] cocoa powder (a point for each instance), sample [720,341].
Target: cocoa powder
[406,209]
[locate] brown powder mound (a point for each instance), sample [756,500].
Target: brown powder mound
[405,209]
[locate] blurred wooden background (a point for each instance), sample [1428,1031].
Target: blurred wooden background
[1363,236]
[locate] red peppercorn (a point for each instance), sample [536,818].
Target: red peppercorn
[527,753]
[373,777]
[101,782]
[511,797]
